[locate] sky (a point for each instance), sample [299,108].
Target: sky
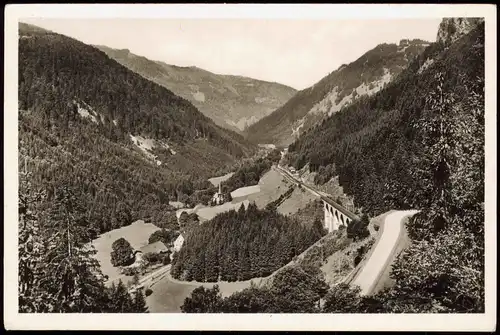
[297,53]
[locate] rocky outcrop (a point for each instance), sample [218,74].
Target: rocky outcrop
[453,28]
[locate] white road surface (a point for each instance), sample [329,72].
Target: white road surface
[383,252]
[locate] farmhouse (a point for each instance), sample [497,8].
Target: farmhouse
[157,247]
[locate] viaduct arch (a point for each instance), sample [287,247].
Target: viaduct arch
[336,215]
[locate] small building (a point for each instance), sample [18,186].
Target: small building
[157,247]
[178,243]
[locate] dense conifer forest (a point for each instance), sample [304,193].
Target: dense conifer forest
[377,141]
[243,244]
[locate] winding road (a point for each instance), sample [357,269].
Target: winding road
[383,253]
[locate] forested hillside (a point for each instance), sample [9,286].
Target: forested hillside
[233,102]
[123,144]
[250,173]
[243,244]
[376,141]
[419,143]
[365,76]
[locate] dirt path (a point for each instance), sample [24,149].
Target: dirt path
[383,252]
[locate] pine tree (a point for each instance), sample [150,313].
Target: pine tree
[439,129]
[135,279]
[139,305]
[71,280]
[30,246]
[121,301]
[57,272]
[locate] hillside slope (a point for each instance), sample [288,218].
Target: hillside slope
[374,144]
[363,77]
[418,143]
[124,144]
[233,102]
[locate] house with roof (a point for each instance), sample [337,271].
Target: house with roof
[157,247]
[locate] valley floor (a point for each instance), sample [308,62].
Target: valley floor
[136,233]
[270,187]
[169,294]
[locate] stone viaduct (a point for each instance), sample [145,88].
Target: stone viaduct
[336,215]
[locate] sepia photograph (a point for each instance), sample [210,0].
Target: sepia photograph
[299,167]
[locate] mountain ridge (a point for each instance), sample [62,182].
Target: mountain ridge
[364,76]
[91,124]
[232,101]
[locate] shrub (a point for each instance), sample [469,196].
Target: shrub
[358,230]
[130,271]
[357,259]
[148,292]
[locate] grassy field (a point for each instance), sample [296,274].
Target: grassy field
[169,294]
[217,180]
[245,191]
[137,234]
[272,185]
[207,213]
[297,200]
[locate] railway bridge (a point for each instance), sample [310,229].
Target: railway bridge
[336,215]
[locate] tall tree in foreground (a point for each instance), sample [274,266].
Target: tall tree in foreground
[30,246]
[71,280]
[437,128]
[443,270]
[57,273]
[139,305]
